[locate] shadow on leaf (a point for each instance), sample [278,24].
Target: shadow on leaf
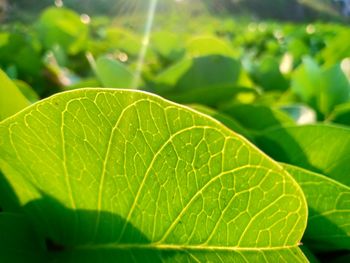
[66,235]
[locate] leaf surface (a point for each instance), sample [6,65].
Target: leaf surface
[341,114]
[118,174]
[229,122]
[209,45]
[329,210]
[11,99]
[63,27]
[266,73]
[192,79]
[257,117]
[18,240]
[113,74]
[322,89]
[320,148]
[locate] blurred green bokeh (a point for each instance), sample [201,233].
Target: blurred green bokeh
[296,10]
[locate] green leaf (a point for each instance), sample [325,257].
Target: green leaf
[27,91]
[307,80]
[191,80]
[335,49]
[20,51]
[336,87]
[125,40]
[266,73]
[168,45]
[310,256]
[18,240]
[61,26]
[341,114]
[340,259]
[320,148]
[322,89]
[229,122]
[11,99]
[257,117]
[113,74]
[8,199]
[329,210]
[116,174]
[209,45]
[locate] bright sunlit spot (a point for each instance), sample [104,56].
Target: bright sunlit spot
[59,3]
[85,18]
[145,42]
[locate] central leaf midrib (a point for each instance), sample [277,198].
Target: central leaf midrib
[173,247]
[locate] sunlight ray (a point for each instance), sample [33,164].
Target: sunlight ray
[145,42]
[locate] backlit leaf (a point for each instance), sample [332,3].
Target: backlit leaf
[118,175]
[329,210]
[320,148]
[11,99]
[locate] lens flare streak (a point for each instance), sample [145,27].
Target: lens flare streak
[145,42]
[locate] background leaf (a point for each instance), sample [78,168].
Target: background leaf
[190,80]
[11,99]
[61,26]
[329,210]
[209,45]
[258,117]
[322,89]
[320,148]
[113,74]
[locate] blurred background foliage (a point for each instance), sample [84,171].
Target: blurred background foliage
[236,51]
[296,10]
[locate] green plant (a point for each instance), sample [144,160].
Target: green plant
[119,175]
[130,173]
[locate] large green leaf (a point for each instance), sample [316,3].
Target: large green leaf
[329,210]
[320,148]
[118,175]
[11,99]
[191,80]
